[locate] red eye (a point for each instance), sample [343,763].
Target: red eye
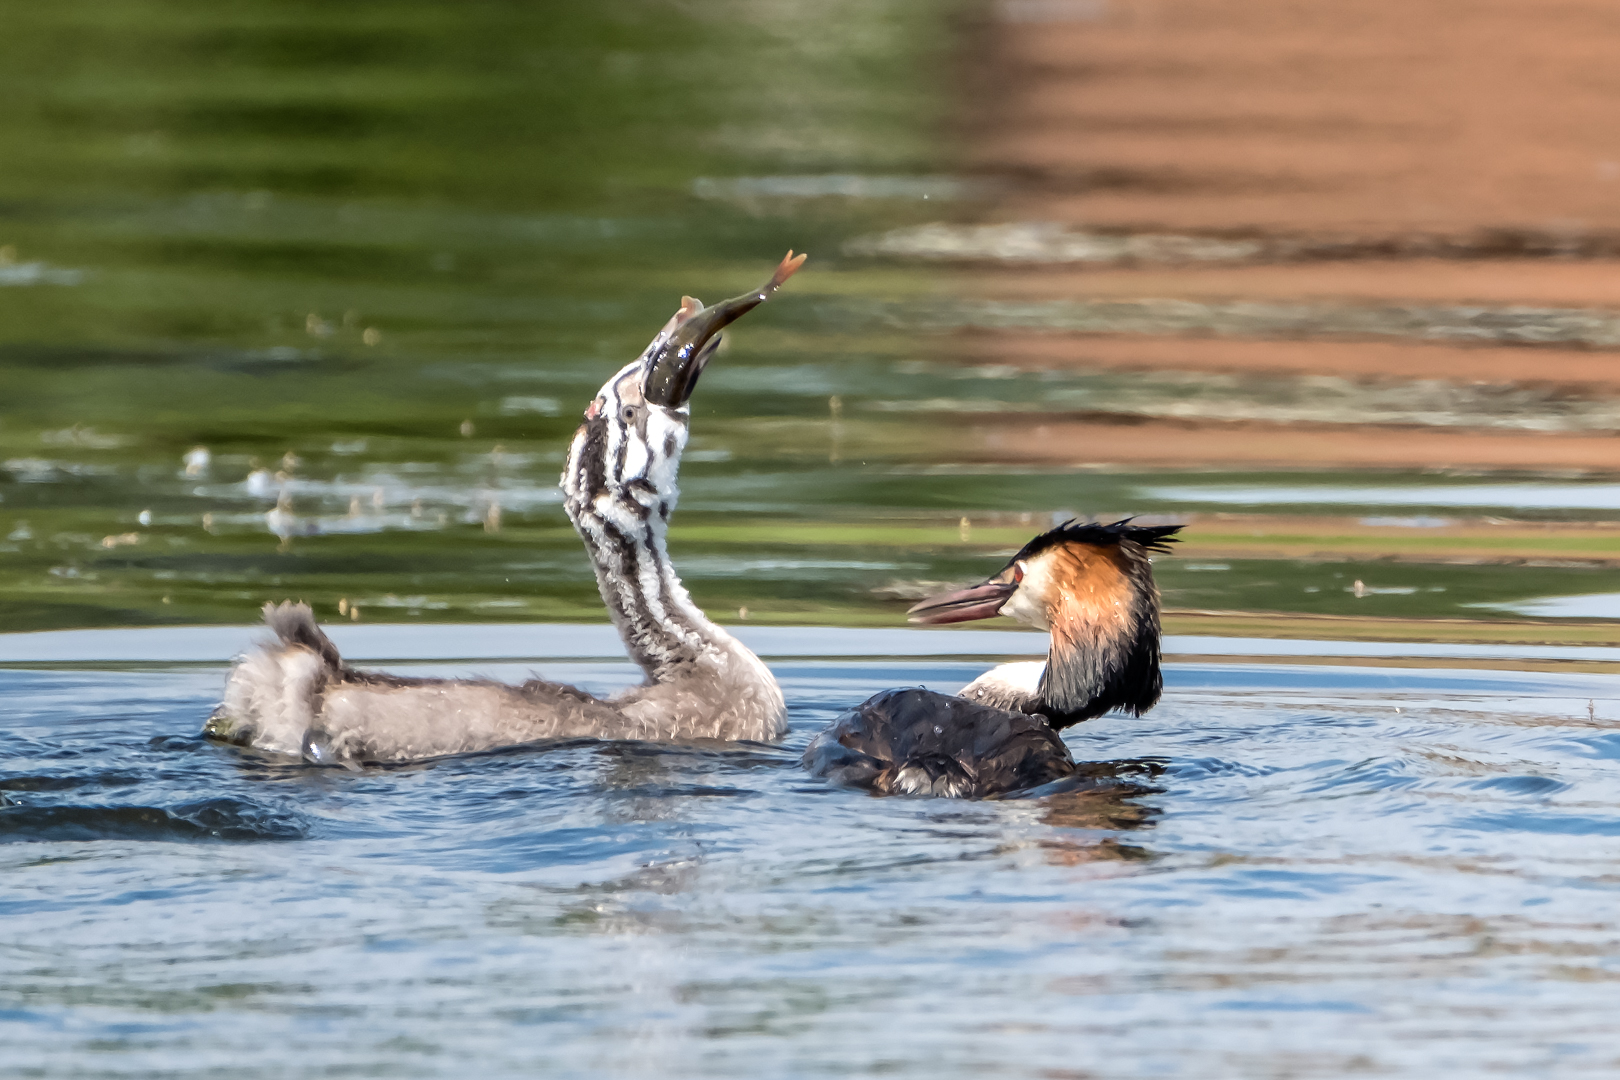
[1018,572]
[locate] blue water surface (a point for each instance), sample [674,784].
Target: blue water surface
[1281,871]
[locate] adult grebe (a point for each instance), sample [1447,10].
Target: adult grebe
[297,696]
[1092,587]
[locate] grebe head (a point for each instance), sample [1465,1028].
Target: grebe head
[1077,564]
[629,447]
[1091,585]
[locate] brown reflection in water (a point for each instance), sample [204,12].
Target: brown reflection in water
[1376,119]
[1106,797]
[1069,853]
[1370,155]
[1099,809]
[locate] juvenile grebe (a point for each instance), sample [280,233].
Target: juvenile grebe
[1092,587]
[297,696]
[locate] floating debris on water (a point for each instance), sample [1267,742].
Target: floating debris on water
[1045,242]
[42,471]
[541,406]
[38,273]
[834,185]
[1507,325]
[261,483]
[87,437]
[282,522]
[1359,590]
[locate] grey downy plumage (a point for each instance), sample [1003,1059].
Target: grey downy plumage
[297,696]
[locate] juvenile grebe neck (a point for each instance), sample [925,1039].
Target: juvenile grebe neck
[297,696]
[619,487]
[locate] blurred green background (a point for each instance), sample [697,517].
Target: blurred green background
[366,262]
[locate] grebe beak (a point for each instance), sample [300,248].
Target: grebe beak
[672,373]
[979,602]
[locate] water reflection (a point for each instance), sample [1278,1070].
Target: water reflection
[1522,496]
[1596,606]
[404,256]
[302,302]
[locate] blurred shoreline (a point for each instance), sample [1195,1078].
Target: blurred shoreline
[1350,160]
[305,304]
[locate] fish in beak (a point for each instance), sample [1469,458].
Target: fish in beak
[672,371]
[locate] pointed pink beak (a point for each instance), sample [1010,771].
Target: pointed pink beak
[979,602]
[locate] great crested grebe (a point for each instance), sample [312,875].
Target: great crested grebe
[1092,587]
[297,696]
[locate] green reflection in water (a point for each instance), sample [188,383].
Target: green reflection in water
[387,251]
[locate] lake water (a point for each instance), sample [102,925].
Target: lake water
[1283,870]
[303,301]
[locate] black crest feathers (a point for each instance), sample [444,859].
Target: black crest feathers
[1154,538]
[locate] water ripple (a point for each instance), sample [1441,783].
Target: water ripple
[1269,844]
[216,819]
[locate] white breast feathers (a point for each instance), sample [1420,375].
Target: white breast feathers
[1010,686]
